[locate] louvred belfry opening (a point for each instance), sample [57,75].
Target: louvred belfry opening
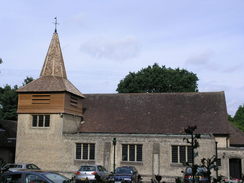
[52,92]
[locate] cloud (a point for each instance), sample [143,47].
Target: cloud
[233,68]
[117,50]
[200,59]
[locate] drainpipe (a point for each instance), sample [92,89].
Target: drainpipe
[216,156]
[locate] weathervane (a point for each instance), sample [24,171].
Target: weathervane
[56,23]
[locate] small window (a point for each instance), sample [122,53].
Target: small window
[131,152]
[40,120]
[78,150]
[174,154]
[85,151]
[181,154]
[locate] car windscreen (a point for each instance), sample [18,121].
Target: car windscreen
[87,168]
[123,171]
[54,177]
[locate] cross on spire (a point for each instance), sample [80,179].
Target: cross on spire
[56,23]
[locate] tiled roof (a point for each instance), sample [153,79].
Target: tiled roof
[236,136]
[50,84]
[155,113]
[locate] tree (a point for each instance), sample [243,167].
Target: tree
[9,101]
[238,119]
[156,79]
[1,61]
[27,80]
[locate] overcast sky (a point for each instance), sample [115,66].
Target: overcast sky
[104,40]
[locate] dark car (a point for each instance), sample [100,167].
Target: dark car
[32,177]
[126,174]
[200,177]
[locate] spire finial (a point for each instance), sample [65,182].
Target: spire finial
[56,23]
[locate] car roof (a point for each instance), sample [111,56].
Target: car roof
[28,171]
[19,164]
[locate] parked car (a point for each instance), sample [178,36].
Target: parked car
[27,176]
[200,177]
[14,167]
[128,174]
[91,173]
[232,180]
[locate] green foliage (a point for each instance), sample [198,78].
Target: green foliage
[238,119]
[230,118]
[239,115]
[156,79]
[27,80]
[9,101]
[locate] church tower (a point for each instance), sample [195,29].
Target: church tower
[48,107]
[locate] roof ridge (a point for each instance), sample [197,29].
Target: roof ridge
[165,93]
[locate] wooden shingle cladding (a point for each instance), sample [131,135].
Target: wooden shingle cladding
[50,84]
[49,103]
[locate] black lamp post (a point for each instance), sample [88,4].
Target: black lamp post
[114,144]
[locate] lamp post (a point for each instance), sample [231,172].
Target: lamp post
[114,144]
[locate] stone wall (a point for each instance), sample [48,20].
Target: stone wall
[52,149]
[225,154]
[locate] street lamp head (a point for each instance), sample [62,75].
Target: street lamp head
[114,141]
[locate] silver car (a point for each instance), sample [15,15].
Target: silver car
[19,166]
[91,173]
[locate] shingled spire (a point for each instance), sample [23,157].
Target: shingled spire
[53,76]
[54,63]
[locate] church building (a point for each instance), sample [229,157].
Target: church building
[59,128]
